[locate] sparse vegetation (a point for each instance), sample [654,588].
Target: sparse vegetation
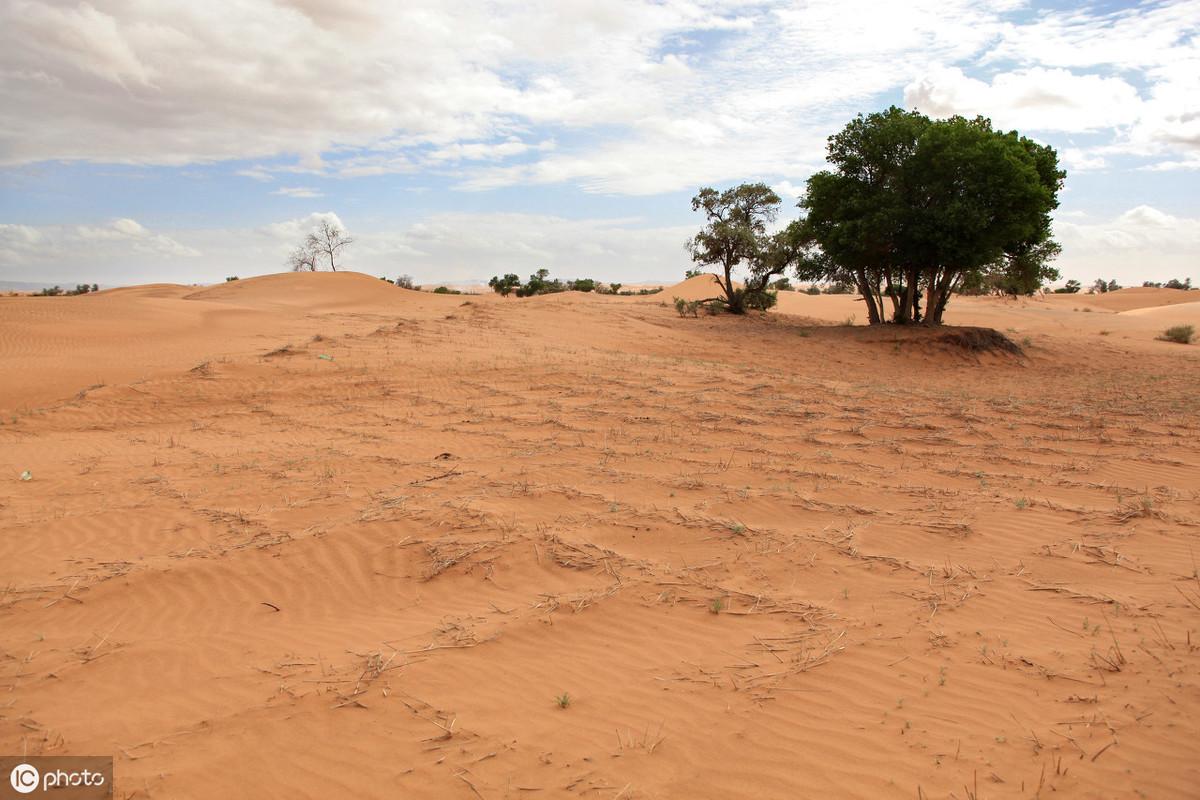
[407,282]
[539,282]
[1181,334]
[58,291]
[687,308]
[563,700]
[1174,283]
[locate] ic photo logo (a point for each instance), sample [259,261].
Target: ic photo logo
[24,778]
[67,777]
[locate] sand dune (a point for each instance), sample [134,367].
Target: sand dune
[1129,299]
[700,287]
[577,546]
[312,291]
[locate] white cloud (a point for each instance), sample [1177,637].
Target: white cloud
[788,190]
[1076,159]
[297,191]
[1143,243]
[112,243]
[1032,99]
[293,231]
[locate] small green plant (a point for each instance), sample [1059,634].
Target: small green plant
[687,308]
[1021,502]
[1026,341]
[563,700]
[736,527]
[1181,334]
[716,606]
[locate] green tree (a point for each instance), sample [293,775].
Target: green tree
[504,286]
[1070,287]
[915,209]
[735,233]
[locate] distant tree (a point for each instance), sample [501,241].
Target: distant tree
[615,288]
[1113,286]
[446,290]
[327,241]
[782,285]
[583,285]
[914,209]
[1175,283]
[1070,287]
[813,289]
[735,233]
[302,259]
[231,279]
[504,286]
[406,282]
[692,273]
[1151,285]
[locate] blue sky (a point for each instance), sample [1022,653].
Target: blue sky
[176,141]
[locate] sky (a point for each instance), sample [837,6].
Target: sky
[182,141]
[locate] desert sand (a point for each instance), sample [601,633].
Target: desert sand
[318,536]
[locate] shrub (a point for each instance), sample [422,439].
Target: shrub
[687,308]
[813,289]
[405,282]
[233,278]
[1183,334]
[781,285]
[761,301]
[583,285]
[446,290]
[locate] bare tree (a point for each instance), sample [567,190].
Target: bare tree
[327,241]
[303,259]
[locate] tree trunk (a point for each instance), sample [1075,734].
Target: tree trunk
[939,295]
[868,295]
[732,300]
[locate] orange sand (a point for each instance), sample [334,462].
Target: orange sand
[762,557]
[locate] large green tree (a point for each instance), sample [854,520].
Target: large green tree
[914,209]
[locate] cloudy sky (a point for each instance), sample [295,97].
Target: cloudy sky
[174,140]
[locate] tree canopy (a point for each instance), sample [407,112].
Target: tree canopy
[914,209]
